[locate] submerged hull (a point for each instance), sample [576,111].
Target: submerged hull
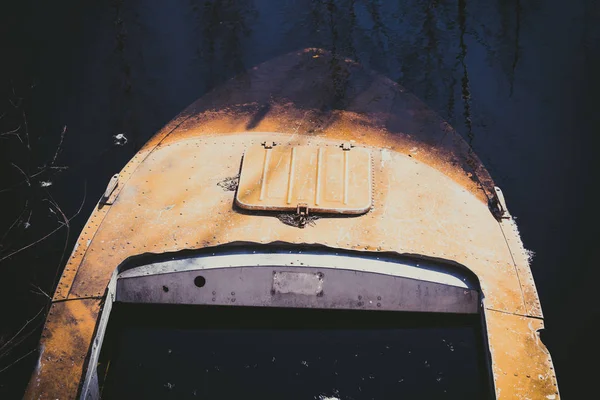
[431,203]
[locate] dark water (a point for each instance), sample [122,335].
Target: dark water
[159,352]
[518,79]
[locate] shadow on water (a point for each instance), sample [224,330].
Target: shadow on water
[84,85]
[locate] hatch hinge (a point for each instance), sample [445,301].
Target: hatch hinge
[112,185]
[269,145]
[302,214]
[346,146]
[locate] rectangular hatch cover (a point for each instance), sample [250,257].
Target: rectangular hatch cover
[318,178]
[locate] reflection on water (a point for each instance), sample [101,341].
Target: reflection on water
[515,78]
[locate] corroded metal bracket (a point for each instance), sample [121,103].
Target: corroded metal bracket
[497,205]
[110,188]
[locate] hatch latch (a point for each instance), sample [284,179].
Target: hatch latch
[346,146]
[302,214]
[269,145]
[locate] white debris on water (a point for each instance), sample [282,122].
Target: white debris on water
[120,139]
[45,183]
[449,345]
[334,396]
[305,363]
[529,254]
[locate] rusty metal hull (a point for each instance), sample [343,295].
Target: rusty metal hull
[430,200]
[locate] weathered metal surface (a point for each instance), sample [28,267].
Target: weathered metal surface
[304,287]
[430,196]
[412,268]
[322,179]
[313,94]
[66,339]
[520,258]
[303,283]
[521,363]
[417,210]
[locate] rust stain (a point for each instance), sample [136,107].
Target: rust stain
[418,211]
[429,199]
[521,363]
[300,99]
[65,343]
